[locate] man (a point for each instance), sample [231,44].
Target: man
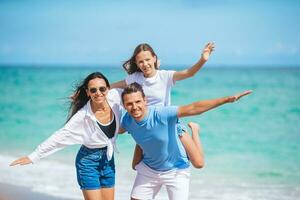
[164,161]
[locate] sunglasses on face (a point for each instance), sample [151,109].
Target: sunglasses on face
[101,89]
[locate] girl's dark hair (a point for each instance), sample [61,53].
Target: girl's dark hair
[80,98]
[130,65]
[132,88]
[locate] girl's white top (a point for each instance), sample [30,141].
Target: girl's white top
[82,128]
[157,88]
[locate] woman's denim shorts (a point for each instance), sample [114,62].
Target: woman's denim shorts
[93,169]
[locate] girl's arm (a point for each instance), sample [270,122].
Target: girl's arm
[180,75]
[120,84]
[137,156]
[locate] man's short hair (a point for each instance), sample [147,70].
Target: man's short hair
[132,88]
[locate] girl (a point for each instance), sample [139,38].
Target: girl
[142,68]
[94,122]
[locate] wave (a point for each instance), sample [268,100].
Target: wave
[56,178]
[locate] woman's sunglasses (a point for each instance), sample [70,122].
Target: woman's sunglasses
[101,89]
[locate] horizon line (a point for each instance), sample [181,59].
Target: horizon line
[115,66]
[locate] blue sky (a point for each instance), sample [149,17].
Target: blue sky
[261,33]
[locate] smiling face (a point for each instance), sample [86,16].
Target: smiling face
[146,63]
[136,105]
[97,90]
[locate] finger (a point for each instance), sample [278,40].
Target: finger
[14,163]
[207,46]
[212,44]
[24,163]
[244,94]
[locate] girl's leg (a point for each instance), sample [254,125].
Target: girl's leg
[193,145]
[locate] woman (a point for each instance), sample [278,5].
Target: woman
[94,123]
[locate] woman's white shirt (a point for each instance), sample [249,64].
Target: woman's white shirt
[82,128]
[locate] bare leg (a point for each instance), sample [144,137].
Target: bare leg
[108,193]
[92,194]
[99,194]
[192,145]
[195,136]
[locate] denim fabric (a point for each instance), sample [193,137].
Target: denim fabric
[94,171]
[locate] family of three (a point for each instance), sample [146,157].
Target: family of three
[164,148]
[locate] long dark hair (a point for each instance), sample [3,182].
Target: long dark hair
[80,97]
[130,65]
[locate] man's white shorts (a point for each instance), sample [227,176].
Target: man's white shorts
[148,182]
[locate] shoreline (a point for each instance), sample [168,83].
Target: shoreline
[14,192]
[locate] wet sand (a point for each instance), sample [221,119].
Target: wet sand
[12,192]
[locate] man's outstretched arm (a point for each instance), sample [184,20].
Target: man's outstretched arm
[199,107]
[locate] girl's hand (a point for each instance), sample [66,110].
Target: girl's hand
[209,47]
[21,161]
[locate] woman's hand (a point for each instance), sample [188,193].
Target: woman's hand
[21,161]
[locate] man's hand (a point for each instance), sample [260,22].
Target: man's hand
[238,96]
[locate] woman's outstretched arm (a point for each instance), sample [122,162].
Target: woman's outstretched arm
[71,133]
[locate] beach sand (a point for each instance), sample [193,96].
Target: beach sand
[12,192]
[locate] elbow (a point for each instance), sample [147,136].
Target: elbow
[190,75]
[133,164]
[133,167]
[198,164]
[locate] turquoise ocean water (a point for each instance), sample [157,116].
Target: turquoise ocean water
[252,147]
